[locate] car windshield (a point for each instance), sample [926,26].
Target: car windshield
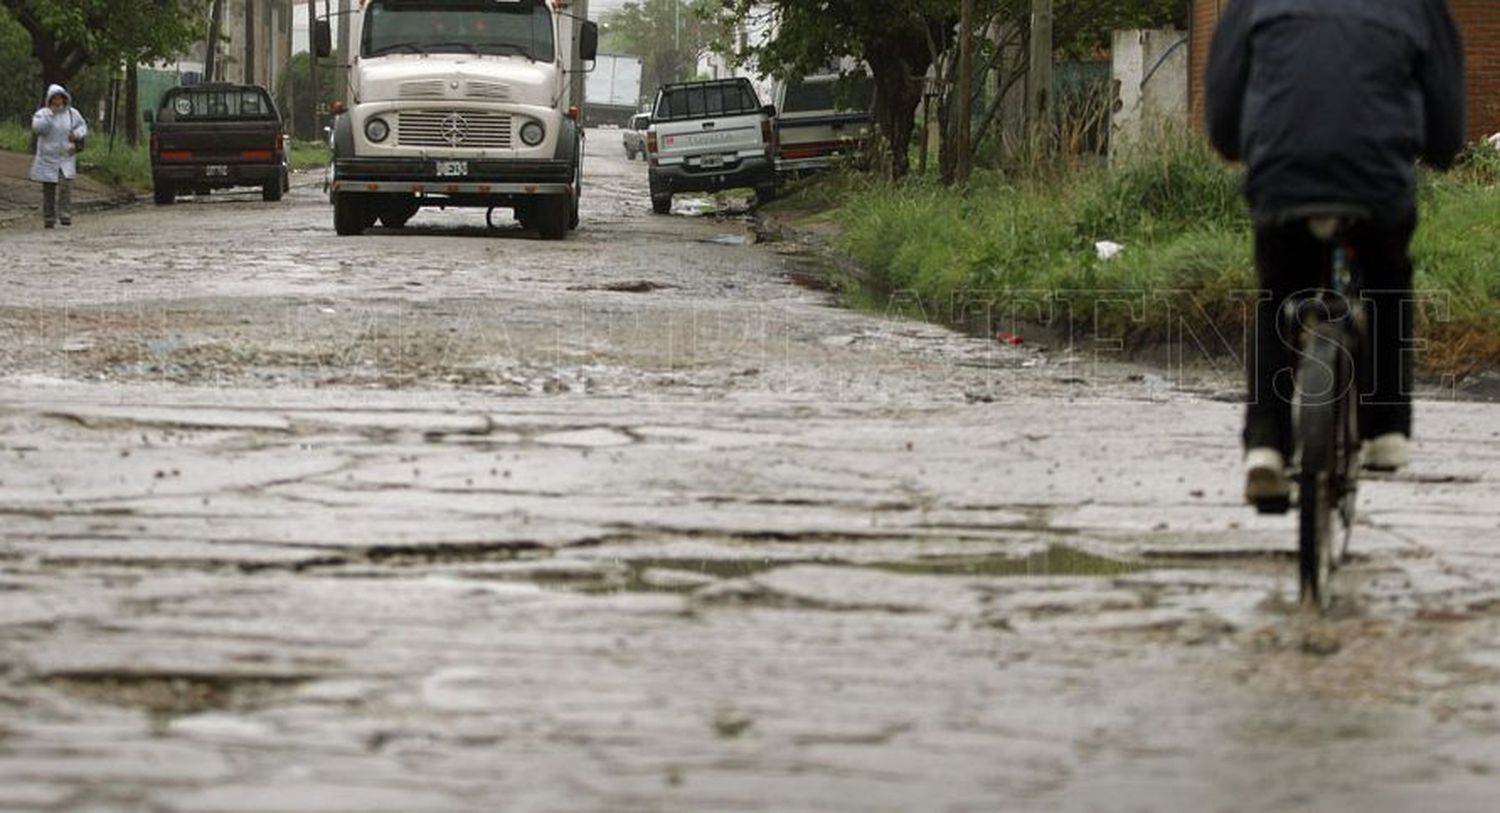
[217,103]
[492,27]
[706,99]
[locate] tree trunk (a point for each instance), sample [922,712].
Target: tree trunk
[898,66]
[965,94]
[132,104]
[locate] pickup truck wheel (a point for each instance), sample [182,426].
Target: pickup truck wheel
[553,213]
[271,192]
[163,194]
[661,196]
[348,216]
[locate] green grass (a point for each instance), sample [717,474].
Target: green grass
[124,166]
[1024,247]
[307,154]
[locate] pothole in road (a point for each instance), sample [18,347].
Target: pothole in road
[167,695]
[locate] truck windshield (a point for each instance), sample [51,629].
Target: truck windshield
[495,27]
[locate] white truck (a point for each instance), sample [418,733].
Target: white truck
[461,103]
[613,91]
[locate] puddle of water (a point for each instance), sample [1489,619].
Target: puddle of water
[1058,560]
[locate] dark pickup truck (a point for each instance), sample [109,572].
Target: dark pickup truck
[217,136]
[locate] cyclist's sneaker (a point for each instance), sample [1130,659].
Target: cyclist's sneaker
[1265,477]
[1389,452]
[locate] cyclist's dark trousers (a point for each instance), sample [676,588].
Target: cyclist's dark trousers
[1290,260]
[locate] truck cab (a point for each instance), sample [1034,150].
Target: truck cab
[461,103]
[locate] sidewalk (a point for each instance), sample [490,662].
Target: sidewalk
[21,197]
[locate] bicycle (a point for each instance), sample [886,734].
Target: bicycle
[1332,325]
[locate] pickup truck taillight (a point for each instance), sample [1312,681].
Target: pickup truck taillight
[176,155]
[651,145]
[280,142]
[768,137]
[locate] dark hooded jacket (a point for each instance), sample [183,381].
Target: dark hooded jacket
[1333,101]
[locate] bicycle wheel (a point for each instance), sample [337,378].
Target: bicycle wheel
[1322,391]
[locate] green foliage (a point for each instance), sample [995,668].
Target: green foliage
[69,35]
[294,95]
[20,75]
[1176,185]
[1187,258]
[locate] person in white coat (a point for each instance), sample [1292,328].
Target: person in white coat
[59,131]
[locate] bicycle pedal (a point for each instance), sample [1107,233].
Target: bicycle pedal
[1275,507]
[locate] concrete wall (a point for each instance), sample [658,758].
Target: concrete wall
[1151,87]
[1479,20]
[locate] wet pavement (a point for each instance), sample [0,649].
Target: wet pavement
[451,518]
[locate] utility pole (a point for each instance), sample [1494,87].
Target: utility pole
[312,65]
[1039,79]
[215,27]
[340,75]
[250,62]
[965,94]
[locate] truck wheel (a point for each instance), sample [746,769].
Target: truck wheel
[348,216]
[163,193]
[553,213]
[271,192]
[395,215]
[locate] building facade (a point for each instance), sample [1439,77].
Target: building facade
[1479,20]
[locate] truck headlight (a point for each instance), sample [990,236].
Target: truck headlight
[377,130]
[533,133]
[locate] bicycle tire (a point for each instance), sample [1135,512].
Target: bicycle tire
[1321,388]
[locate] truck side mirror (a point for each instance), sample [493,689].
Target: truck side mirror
[769,110]
[588,42]
[323,40]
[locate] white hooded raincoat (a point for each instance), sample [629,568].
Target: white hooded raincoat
[53,156]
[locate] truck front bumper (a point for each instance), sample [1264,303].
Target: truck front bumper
[483,177]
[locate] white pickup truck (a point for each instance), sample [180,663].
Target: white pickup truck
[820,122]
[461,103]
[708,136]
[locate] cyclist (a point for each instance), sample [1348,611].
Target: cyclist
[1332,102]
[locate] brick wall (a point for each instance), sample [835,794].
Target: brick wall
[1478,19]
[1480,22]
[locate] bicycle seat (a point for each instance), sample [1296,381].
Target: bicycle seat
[1326,221]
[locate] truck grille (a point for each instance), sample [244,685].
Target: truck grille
[480,89]
[423,89]
[453,128]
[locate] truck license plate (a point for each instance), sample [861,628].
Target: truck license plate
[713,161]
[216,170]
[452,169]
